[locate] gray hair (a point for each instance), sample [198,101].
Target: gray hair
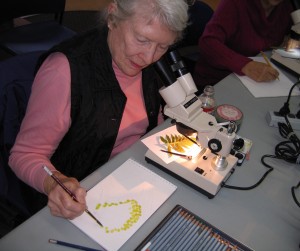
[172,13]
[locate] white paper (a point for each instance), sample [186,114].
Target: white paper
[127,198]
[154,143]
[276,88]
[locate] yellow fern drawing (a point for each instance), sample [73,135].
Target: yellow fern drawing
[134,214]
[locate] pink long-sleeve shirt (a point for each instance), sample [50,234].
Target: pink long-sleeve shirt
[238,29]
[48,119]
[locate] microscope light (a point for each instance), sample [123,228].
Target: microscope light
[292,53]
[291,45]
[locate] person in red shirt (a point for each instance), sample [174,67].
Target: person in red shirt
[240,29]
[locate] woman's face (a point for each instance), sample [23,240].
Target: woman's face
[136,43]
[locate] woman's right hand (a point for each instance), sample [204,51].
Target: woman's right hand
[260,72]
[60,202]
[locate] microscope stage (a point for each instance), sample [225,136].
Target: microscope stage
[198,172]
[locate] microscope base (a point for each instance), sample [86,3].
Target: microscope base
[197,173]
[290,64]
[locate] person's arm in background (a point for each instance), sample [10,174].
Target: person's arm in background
[46,121]
[224,27]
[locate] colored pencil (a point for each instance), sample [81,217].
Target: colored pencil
[267,60]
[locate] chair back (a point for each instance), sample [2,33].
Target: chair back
[16,77]
[39,33]
[20,8]
[199,15]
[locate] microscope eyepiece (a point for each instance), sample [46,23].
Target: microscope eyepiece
[296,4]
[164,71]
[177,64]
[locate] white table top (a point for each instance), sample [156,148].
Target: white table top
[265,218]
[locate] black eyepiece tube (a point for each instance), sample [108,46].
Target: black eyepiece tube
[174,56]
[177,64]
[296,4]
[164,71]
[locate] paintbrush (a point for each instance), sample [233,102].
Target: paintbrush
[69,192]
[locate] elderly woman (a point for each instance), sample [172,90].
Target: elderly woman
[94,96]
[240,29]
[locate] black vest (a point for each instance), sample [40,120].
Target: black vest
[97,104]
